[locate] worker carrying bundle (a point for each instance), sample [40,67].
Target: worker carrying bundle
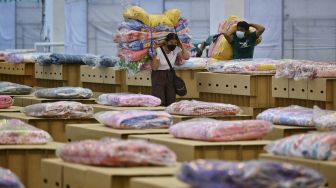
[140,33]
[235,40]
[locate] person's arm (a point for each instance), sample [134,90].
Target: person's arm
[184,53]
[229,34]
[259,29]
[156,62]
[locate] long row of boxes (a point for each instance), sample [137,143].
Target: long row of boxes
[18,73]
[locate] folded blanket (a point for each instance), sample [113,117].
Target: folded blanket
[9,180]
[8,88]
[62,109]
[205,109]
[250,174]
[135,119]
[320,146]
[112,152]
[215,130]
[324,119]
[128,99]
[291,115]
[5,101]
[100,60]
[64,93]
[14,131]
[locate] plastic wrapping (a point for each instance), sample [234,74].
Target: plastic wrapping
[324,120]
[62,109]
[128,99]
[14,131]
[5,101]
[135,119]
[64,93]
[8,88]
[112,152]
[100,60]
[304,69]
[291,115]
[250,66]
[9,180]
[205,109]
[250,174]
[216,130]
[314,145]
[194,63]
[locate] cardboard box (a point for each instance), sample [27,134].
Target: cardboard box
[24,161]
[18,73]
[239,89]
[158,182]
[282,131]
[84,176]
[298,89]
[179,118]
[54,126]
[11,109]
[76,132]
[57,75]
[254,112]
[141,83]
[100,108]
[280,87]
[105,79]
[26,101]
[52,173]
[326,168]
[187,150]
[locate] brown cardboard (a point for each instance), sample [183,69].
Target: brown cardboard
[141,79]
[242,90]
[187,150]
[52,173]
[24,161]
[54,126]
[179,118]
[326,168]
[298,89]
[11,109]
[29,100]
[158,182]
[99,108]
[281,131]
[189,77]
[280,87]
[84,176]
[76,132]
[18,73]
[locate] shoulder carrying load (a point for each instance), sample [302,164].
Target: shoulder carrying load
[112,152]
[14,131]
[220,131]
[221,48]
[135,119]
[64,93]
[5,101]
[170,18]
[62,109]
[250,174]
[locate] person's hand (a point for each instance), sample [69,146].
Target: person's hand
[179,43]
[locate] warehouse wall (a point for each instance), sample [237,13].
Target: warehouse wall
[7,25]
[310,29]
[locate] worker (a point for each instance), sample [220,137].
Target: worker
[198,48]
[162,76]
[243,40]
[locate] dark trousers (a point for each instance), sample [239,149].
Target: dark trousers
[162,86]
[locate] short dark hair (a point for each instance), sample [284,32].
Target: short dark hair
[243,24]
[171,36]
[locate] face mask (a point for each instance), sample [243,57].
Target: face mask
[171,47]
[240,34]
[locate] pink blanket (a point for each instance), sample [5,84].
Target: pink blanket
[5,101]
[127,99]
[14,131]
[205,109]
[112,152]
[215,130]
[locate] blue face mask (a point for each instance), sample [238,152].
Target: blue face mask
[240,34]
